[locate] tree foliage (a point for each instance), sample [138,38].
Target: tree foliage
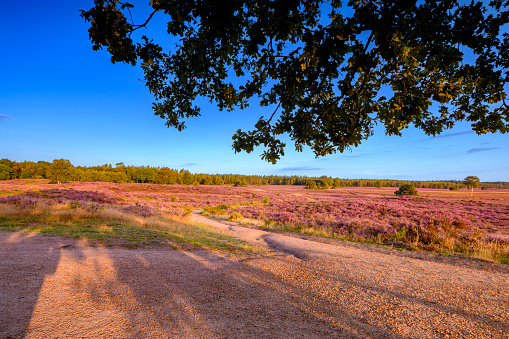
[471,182]
[311,184]
[60,170]
[328,72]
[162,175]
[5,172]
[406,189]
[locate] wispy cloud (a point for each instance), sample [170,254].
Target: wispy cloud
[188,164]
[447,135]
[366,173]
[4,117]
[373,174]
[481,149]
[301,168]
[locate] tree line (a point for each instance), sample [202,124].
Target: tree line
[60,170]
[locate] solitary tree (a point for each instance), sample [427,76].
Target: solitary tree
[406,189]
[327,71]
[60,170]
[471,182]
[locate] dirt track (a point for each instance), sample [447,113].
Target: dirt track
[56,287]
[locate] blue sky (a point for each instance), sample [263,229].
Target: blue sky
[60,99]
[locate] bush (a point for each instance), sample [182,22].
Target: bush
[407,189]
[5,172]
[239,183]
[311,184]
[235,216]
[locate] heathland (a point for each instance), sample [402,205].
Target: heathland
[438,220]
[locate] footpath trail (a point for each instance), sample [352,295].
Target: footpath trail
[374,292]
[53,287]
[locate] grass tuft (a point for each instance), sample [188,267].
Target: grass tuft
[112,226]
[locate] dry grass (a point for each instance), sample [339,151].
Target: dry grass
[113,226]
[485,250]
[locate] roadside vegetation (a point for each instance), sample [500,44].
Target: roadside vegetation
[442,221]
[100,220]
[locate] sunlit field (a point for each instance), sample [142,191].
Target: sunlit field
[443,221]
[93,213]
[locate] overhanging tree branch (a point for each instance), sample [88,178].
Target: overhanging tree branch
[328,76]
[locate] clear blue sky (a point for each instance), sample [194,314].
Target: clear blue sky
[60,99]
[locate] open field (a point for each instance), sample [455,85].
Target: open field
[444,221]
[138,260]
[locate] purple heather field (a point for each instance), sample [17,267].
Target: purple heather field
[370,214]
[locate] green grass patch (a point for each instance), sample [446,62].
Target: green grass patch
[12,192]
[116,228]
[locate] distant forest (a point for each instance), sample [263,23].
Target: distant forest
[62,170]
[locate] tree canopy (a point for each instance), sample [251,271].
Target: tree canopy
[327,72]
[471,182]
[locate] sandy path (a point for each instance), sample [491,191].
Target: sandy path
[56,287]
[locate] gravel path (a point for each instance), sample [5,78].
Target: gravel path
[53,287]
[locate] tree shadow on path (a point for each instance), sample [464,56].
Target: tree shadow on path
[26,260]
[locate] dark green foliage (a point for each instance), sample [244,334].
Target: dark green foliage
[406,189]
[60,170]
[336,183]
[129,174]
[5,172]
[471,182]
[311,184]
[240,183]
[323,68]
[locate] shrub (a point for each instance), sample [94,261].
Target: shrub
[239,183]
[235,216]
[75,204]
[265,200]
[407,189]
[5,172]
[311,184]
